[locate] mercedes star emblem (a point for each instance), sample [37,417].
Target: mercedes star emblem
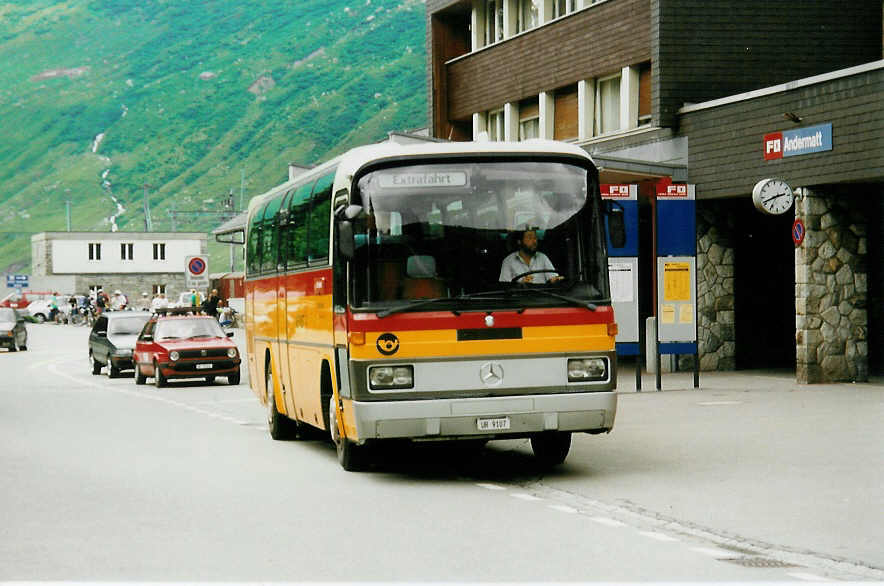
[491,374]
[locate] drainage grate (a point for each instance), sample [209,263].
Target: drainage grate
[757,562]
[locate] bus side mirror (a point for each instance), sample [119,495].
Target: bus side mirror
[346,245]
[616,224]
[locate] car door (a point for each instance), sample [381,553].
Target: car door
[98,342]
[144,349]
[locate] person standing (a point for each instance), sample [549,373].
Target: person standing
[210,305]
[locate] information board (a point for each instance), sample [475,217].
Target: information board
[676,299]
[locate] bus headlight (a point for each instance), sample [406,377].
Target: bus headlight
[391,377]
[173,355]
[231,352]
[587,369]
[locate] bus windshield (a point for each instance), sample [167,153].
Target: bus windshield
[478,235]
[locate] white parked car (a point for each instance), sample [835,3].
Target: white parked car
[40,309]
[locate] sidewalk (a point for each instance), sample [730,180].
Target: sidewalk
[749,453]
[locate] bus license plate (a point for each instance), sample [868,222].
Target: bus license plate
[495,424]
[203,366]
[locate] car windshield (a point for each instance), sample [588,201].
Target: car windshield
[124,326]
[453,232]
[6,314]
[201,327]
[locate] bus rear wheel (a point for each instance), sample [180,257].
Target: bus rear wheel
[551,447]
[352,457]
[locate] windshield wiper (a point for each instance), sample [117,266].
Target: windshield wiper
[411,304]
[578,302]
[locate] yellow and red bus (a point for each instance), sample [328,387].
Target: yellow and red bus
[377,308]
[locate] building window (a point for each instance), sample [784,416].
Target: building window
[127,251]
[562,7]
[495,125]
[158,288]
[566,113]
[94,251]
[493,21]
[607,101]
[159,251]
[528,15]
[644,94]
[529,119]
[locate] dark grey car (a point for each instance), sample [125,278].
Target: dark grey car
[13,333]
[112,340]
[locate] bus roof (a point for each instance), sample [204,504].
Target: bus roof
[354,159]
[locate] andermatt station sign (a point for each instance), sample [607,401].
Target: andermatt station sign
[800,141]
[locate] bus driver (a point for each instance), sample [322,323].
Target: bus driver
[527,258]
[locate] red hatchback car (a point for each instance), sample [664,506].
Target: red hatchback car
[174,345]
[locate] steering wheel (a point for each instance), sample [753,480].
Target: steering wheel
[526,273]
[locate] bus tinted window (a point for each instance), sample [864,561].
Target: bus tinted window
[320,220]
[270,234]
[253,246]
[295,230]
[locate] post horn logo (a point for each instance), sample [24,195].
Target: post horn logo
[387,344]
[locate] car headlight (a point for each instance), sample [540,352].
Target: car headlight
[587,369]
[123,352]
[231,352]
[173,355]
[5,333]
[391,377]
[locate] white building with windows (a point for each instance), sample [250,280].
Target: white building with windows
[133,262]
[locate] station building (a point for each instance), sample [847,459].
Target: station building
[720,95]
[133,262]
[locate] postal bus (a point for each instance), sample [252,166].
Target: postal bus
[375,306]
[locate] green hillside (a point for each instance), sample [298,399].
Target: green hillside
[99,99]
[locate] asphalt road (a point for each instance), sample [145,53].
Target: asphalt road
[748,479]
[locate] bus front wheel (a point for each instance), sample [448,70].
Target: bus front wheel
[352,457]
[551,447]
[280,426]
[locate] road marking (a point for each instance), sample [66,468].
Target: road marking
[807,577]
[490,486]
[525,496]
[714,552]
[607,521]
[563,508]
[657,536]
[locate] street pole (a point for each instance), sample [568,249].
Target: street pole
[67,213]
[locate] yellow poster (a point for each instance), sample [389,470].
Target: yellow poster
[686,313]
[676,281]
[667,314]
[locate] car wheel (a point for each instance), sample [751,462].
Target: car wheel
[233,379]
[551,447]
[351,457]
[13,347]
[40,318]
[158,378]
[96,365]
[112,371]
[22,347]
[140,379]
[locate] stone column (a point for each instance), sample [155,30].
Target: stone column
[716,336]
[831,319]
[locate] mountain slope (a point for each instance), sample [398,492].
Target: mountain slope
[100,99]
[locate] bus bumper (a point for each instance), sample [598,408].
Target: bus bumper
[522,415]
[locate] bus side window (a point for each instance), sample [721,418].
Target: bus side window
[253,246]
[320,220]
[270,240]
[295,252]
